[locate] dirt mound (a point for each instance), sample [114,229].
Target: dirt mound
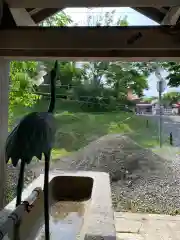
[116,154]
[142,181]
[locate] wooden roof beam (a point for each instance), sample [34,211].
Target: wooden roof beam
[35,10]
[42,14]
[80,43]
[7,19]
[22,17]
[90,3]
[151,12]
[172,16]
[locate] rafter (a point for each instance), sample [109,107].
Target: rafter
[172,16]
[90,3]
[87,43]
[22,17]
[35,10]
[7,19]
[42,14]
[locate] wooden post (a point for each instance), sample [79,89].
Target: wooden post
[4,87]
[171,139]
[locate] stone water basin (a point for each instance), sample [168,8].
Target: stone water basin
[66,220]
[80,208]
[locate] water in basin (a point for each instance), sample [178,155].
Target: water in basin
[66,220]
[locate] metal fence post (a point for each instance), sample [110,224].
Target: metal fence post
[171,139]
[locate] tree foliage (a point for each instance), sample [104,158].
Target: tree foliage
[171,97]
[59,19]
[106,19]
[173,77]
[124,76]
[22,74]
[173,69]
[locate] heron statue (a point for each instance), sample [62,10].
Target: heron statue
[33,137]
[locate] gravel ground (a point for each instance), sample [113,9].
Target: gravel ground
[154,191]
[141,180]
[12,179]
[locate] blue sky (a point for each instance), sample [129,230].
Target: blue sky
[80,17]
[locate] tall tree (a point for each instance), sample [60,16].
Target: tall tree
[173,77]
[22,75]
[68,71]
[59,19]
[106,19]
[173,69]
[123,76]
[171,97]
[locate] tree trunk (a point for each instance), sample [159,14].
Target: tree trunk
[4,87]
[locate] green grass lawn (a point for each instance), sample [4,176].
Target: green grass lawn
[75,129]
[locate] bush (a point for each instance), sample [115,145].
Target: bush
[89,99]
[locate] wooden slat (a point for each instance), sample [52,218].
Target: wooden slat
[132,56]
[172,16]
[151,12]
[44,13]
[22,17]
[84,42]
[4,87]
[90,3]
[112,38]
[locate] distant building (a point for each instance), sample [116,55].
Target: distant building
[131,96]
[144,108]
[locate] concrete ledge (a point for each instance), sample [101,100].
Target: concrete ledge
[142,226]
[145,216]
[99,221]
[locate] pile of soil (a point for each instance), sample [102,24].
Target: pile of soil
[116,154]
[140,179]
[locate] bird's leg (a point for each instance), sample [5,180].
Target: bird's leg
[19,194]
[20,183]
[46,195]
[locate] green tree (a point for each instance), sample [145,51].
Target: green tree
[97,82]
[171,97]
[149,99]
[22,75]
[59,19]
[69,74]
[68,71]
[173,69]
[94,72]
[106,19]
[122,76]
[110,80]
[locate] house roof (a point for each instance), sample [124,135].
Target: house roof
[156,14]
